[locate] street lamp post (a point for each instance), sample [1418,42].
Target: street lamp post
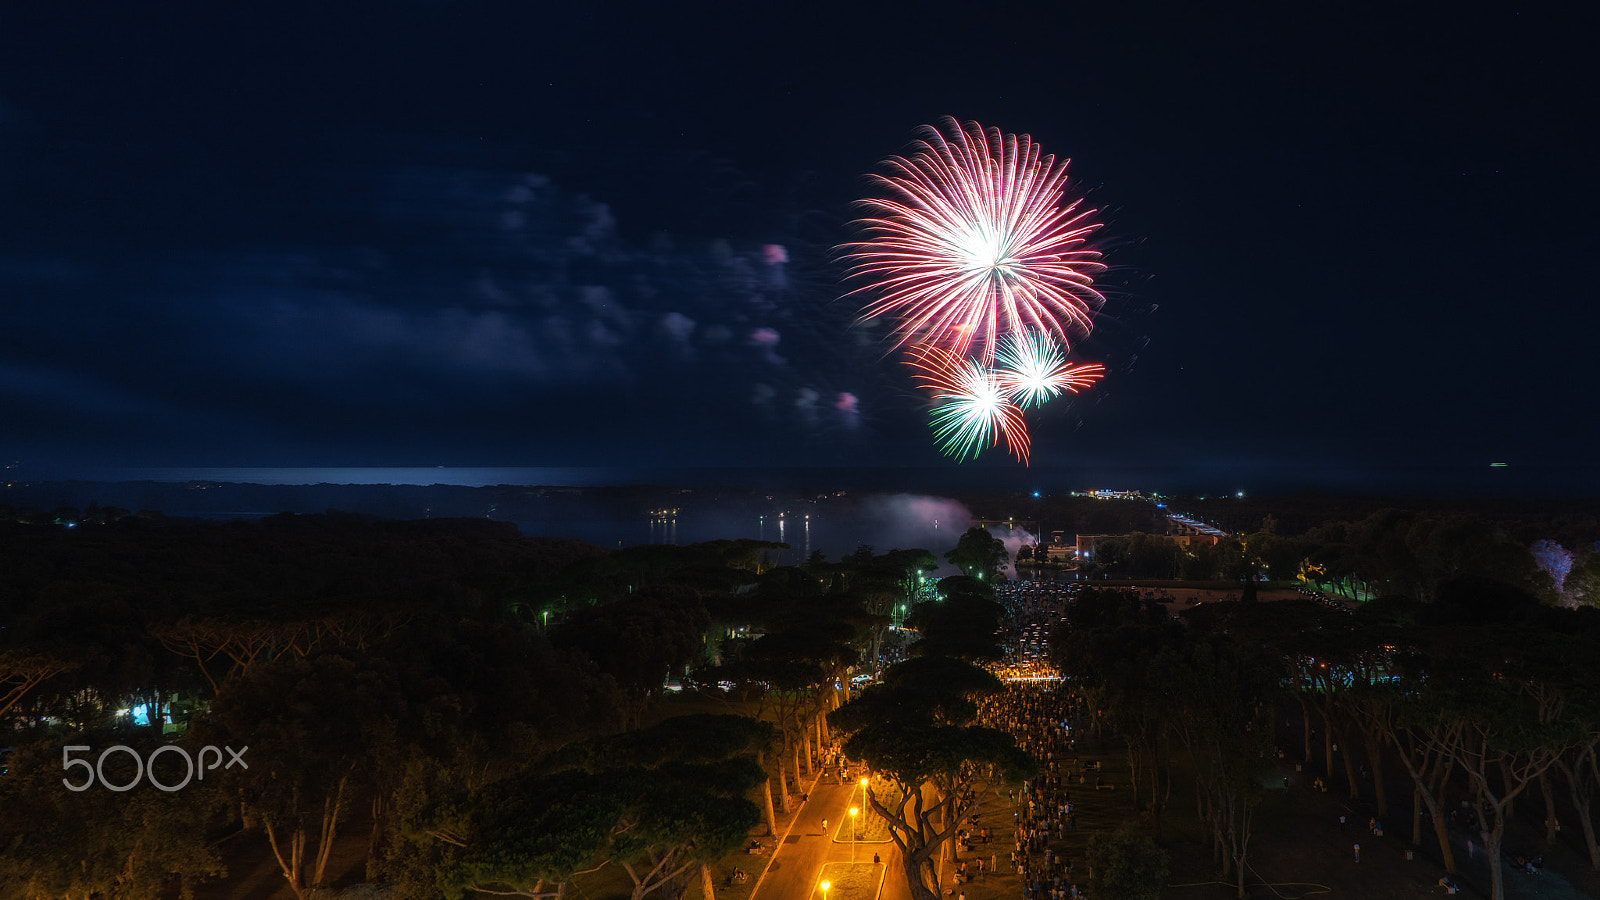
[854,835]
[825,885]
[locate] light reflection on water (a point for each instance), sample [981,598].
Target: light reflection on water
[883,522]
[833,522]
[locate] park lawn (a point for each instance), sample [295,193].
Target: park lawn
[872,829]
[851,881]
[1297,848]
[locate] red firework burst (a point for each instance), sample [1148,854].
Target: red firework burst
[976,241]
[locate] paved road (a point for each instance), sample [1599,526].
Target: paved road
[796,867]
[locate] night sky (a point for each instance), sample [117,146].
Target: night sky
[536,234]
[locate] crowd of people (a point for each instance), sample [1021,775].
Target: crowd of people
[1043,720]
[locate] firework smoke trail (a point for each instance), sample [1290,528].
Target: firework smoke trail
[1032,368]
[971,411]
[976,243]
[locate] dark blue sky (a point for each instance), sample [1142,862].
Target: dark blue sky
[514,234]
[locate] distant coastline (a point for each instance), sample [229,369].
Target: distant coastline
[1196,478]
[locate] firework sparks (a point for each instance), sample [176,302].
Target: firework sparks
[971,411]
[983,268]
[1032,368]
[976,242]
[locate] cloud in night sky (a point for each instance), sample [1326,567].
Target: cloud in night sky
[462,302]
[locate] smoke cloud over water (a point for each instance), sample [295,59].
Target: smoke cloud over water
[903,521]
[1014,539]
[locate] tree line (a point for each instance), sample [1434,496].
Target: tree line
[1480,693]
[488,707]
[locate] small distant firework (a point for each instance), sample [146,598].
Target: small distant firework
[976,242]
[1033,368]
[971,411]
[982,266]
